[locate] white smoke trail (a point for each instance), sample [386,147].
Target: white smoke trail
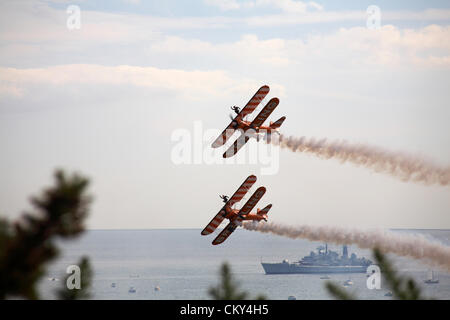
[413,246]
[403,166]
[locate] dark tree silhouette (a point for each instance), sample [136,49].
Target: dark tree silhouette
[27,245]
[228,289]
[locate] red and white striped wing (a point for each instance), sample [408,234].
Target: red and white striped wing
[249,108]
[229,229]
[236,146]
[214,223]
[251,203]
[243,189]
[254,101]
[265,112]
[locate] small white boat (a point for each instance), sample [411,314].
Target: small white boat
[157,288]
[431,279]
[132,290]
[292,298]
[348,283]
[325,277]
[388,294]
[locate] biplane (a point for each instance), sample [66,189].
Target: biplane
[250,129]
[236,216]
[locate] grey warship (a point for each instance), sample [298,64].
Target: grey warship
[323,262]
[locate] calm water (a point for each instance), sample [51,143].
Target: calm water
[184,265]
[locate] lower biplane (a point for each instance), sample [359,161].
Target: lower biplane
[236,216]
[253,128]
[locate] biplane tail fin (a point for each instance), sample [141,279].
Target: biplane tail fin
[277,124]
[263,212]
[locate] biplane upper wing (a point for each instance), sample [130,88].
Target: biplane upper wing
[243,189]
[250,204]
[229,229]
[265,113]
[249,108]
[236,146]
[214,223]
[253,102]
[236,197]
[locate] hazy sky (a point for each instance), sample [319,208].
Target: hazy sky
[105,99]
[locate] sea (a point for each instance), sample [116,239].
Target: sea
[180,264]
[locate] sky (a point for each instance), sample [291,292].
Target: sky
[105,100]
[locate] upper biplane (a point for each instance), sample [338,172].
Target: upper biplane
[236,216]
[250,128]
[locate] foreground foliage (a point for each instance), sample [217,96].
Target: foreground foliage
[27,245]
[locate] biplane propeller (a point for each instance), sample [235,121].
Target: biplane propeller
[250,129]
[236,216]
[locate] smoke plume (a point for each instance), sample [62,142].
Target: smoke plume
[412,246]
[400,165]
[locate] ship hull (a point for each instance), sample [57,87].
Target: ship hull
[289,268]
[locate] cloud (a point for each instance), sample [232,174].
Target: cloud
[189,85]
[287,6]
[224,4]
[389,46]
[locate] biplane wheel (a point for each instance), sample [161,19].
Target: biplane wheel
[234,124]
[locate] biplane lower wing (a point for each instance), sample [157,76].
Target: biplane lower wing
[224,136]
[251,203]
[229,229]
[236,146]
[214,223]
[265,113]
[249,108]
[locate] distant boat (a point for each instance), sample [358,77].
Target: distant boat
[292,298]
[53,279]
[157,288]
[323,261]
[348,283]
[431,279]
[132,290]
[388,294]
[325,277]
[113,284]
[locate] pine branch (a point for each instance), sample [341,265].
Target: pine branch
[28,244]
